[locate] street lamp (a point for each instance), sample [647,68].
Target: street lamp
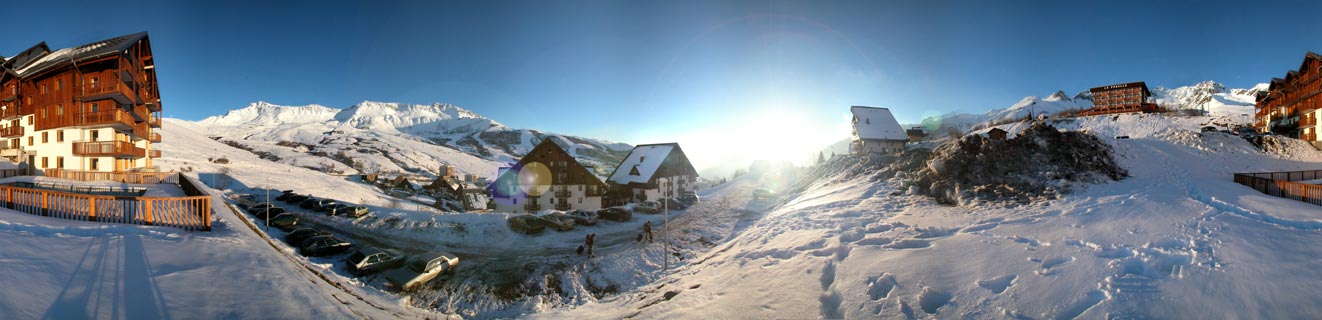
[267,214]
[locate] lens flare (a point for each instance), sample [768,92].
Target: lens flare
[534,179]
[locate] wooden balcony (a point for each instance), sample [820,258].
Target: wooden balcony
[140,113]
[114,90]
[1307,121]
[154,137]
[533,206]
[562,194]
[154,153]
[12,112]
[562,206]
[154,105]
[12,131]
[104,117]
[154,121]
[108,149]
[10,94]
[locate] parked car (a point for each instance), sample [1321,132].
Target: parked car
[284,221]
[648,207]
[323,246]
[285,195]
[357,211]
[583,217]
[674,204]
[372,259]
[526,224]
[295,198]
[269,212]
[308,203]
[558,221]
[1209,129]
[689,197]
[297,236]
[421,269]
[619,214]
[337,209]
[320,205]
[762,193]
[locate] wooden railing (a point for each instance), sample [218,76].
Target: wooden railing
[113,89]
[110,116]
[191,213]
[154,153]
[1281,184]
[1124,109]
[108,148]
[11,131]
[155,120]
[125,177]
[154,137]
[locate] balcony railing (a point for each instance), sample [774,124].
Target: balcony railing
[154,153]
[562,194]
[9,94]
[532,206]
[154,137]
[154,105]
[155,120]
[108,90]
[108,149]
[12,131]
[1307,121]
[562,206]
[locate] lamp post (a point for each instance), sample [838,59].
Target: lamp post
[665,205]
[267,214]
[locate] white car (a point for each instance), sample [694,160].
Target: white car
[648,207]
[761,193]
[420,269]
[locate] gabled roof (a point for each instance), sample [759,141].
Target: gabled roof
[88,51]
[27,56]
[508,181]
[641,165]
[877,124]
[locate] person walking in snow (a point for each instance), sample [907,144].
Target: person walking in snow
[590,239]
[647,230]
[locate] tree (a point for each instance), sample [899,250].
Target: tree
[820,158]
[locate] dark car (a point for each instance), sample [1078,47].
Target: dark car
[299,235]
[372,259]
[285,195]
[269,212]
[284,221]
[323,246]
[296,198]
[583,217]
[320,205]
[526,224]
[337,209]
[308,203]
[674,204]
[1209,129]
[615,214]
[689,197]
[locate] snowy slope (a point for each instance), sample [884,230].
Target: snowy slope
[1235,104]
[391,137]
[1178,239]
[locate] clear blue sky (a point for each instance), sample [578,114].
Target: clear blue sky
[642,72]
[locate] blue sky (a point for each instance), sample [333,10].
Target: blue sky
[711,72]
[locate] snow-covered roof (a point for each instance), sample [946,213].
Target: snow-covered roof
[87,51]
[646,159]
[876,123]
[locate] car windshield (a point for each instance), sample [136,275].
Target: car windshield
[356,257]
[418,266]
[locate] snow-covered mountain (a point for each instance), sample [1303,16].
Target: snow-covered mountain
[1210,95]
[392,137]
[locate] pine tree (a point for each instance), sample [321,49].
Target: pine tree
[820,158]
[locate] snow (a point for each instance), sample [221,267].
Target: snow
[876,123]
[647,158]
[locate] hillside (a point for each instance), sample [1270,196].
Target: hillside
[391,137]
[1178,239]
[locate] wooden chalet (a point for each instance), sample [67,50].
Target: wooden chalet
[93,108]
[1120,98]
[875,130]
[654,171]
[1292,106]
[544,179]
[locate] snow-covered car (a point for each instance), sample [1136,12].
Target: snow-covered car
[358,211]
[526,224]
[689,197]
[299,235]
[421,269]
[558,221]
[323,246]
[648,207]
[284,221]
[372,259]
[620,214]
[583,217]
[762,193]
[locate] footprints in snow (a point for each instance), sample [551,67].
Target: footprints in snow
[998,285]
[881,288]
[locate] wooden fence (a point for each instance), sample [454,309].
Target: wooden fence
[191,213]
[1282,184]
[125,177]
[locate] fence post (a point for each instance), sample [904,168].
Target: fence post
[91,208]
[146,211]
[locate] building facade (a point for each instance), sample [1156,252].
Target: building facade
[93,108]
[1292,106]
[875,130]
[1120,98]
[654,171]
[547,178]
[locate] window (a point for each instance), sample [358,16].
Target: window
[43,88]
[59,109]
[43,113]
[29,119]
[93,164]
[59,136]
[59,85]
[59,162]
[29,141]
[44,163]
[92,82]
[45,137]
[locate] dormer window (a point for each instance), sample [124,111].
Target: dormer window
[634,171]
